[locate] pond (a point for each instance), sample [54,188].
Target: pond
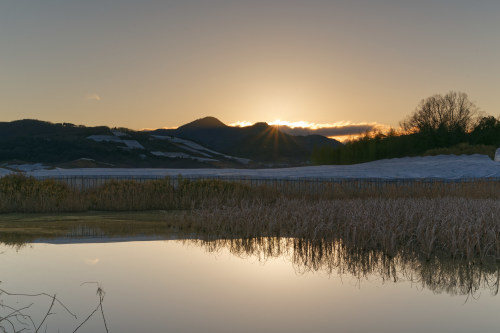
[158,281]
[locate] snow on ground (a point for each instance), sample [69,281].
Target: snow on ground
[4,172]
[26,167]
[440,167]
[197,148]
[497,155]
[133,144]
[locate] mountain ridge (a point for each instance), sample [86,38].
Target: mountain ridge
[204,142]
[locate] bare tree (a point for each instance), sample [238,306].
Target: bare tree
[453,112]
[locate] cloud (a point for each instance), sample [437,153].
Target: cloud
[354,129]
[92,261]
[93,97]
[338,129]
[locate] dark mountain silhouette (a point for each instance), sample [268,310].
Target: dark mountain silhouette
[207,122]
[205,142]
[45,129]
[260,142]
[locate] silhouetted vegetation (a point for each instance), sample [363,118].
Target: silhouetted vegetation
[448,124]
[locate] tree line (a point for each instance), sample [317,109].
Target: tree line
[441,124]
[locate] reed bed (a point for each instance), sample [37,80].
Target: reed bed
[459,220]
[458,228]
[28,195]
[20,194]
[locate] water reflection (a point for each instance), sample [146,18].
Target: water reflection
[440,275]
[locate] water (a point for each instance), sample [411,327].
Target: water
[269,285]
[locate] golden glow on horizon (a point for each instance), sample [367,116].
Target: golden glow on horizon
[309,125]
[301,124]
[295,124]
[317,126]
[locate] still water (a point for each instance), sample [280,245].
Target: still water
[156,283]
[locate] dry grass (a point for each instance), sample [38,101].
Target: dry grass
[456,220]
[28,195]
[453,227]
[19,194]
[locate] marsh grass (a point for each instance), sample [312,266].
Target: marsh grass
[20,194]
[458,220]
[28,195]
[457,228]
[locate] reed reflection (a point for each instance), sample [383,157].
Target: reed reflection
[438,273]
[454,277]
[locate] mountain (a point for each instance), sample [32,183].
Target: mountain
[259,142]
[207,122]
[205,142]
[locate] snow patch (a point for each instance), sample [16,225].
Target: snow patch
[497,155]
[5,172]
[133,144]
[27,167]
[199,149]
[433,167]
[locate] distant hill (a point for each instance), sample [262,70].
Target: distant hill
[205,142]
[260,142]
[207,122]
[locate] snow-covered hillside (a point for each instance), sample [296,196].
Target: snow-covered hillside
[199,149]
[442,166]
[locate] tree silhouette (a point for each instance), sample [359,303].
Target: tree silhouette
[443,120]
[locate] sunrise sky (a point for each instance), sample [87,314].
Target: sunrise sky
[150,64]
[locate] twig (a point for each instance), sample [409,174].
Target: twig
[41,294]
[48,313]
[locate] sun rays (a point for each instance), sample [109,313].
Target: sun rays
[341,130]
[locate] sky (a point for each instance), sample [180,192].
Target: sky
[332,64]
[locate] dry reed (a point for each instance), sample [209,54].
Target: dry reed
[29,195]
[454,227]
[457,220]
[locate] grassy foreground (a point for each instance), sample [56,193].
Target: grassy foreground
[20,194]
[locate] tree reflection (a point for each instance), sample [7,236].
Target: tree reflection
[440,275]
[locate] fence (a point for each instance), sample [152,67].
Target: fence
[299,185]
